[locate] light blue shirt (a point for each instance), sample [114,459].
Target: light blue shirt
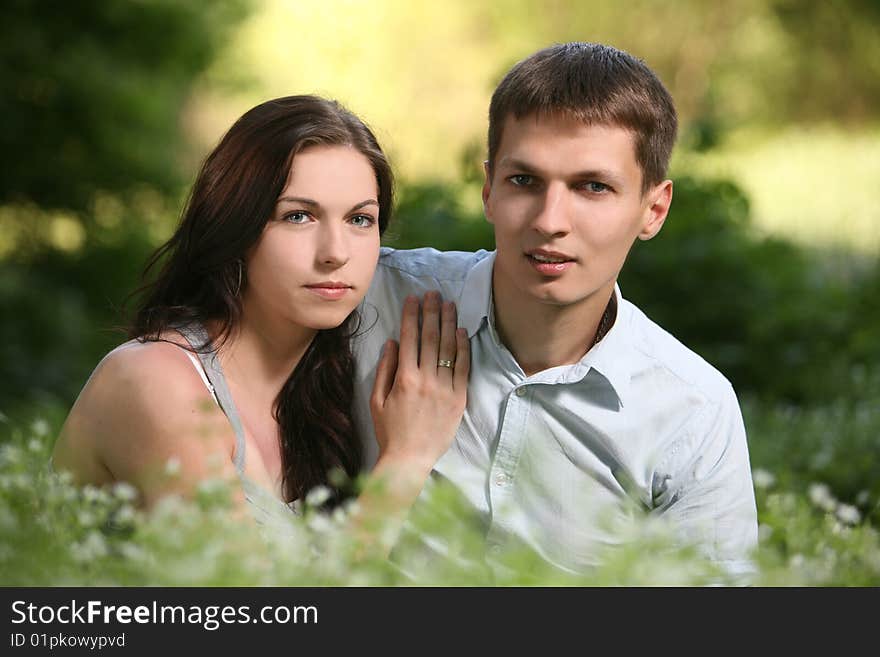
[563,459]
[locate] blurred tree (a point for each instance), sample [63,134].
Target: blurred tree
[90,93]
[830,64]
[432,214]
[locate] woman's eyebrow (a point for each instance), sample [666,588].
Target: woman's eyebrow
[297,199]
[315,204]
[364,204]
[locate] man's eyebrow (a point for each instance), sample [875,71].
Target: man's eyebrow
[522,165]
[600,174]
[315,204]
[516,163]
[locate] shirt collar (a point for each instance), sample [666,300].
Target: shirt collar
[475,302]
[608,358]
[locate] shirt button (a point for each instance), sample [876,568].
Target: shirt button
[501,479]
[520,391]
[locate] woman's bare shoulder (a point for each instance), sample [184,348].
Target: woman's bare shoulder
[144,400]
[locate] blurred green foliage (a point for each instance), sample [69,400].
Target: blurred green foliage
[775,318]
[90,93]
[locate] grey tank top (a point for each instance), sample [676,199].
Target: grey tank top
[274,516]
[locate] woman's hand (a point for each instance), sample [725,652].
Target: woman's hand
[421,387]
[417,403]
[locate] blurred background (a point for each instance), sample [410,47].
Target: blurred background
[767,266]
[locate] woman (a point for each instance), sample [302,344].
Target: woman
[239,364]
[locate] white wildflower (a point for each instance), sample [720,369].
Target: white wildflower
[763,478]
[764,532]
[91,493]
[848,514]
[351,507]
[40,427]
[35,446]
[320,523]
[132,551]
[124,491]
[317,496]
[10,455]
[863,498]
[125,515]
[172,466]
[65,477]
[168,505]
[93,546]
[796,561]
[86,518]
[820,495]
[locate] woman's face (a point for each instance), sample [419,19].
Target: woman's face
[315,259]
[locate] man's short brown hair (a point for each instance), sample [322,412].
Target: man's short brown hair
[595,84]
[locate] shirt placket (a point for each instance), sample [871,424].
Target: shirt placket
[502,475]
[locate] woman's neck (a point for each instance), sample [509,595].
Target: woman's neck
[262,352]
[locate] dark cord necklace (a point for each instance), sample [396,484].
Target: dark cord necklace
[607,320]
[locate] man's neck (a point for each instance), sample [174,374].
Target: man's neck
[542,335]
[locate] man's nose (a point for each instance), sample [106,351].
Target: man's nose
[552,218]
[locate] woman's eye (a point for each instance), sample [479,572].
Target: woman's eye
[363,220]
[521,180]
[297,217]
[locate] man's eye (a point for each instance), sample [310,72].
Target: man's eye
[521,180]
[363,220]
[596,187]
[298,217]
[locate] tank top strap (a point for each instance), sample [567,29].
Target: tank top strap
[198,337]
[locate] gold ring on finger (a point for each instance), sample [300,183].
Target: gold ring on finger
[444,363]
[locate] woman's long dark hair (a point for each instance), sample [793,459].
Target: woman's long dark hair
[202,274]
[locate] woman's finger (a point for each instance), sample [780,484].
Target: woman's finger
[447,352]
[409,334]
[462,360]
[430,333]
[385,372]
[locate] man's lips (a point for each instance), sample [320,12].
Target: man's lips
[549,263]
[548,255]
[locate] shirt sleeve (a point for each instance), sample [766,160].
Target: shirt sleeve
[706,491]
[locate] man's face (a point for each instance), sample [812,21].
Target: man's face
[566,202]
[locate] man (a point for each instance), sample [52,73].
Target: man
[578,404]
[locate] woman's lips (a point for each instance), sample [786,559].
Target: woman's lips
[329,291]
